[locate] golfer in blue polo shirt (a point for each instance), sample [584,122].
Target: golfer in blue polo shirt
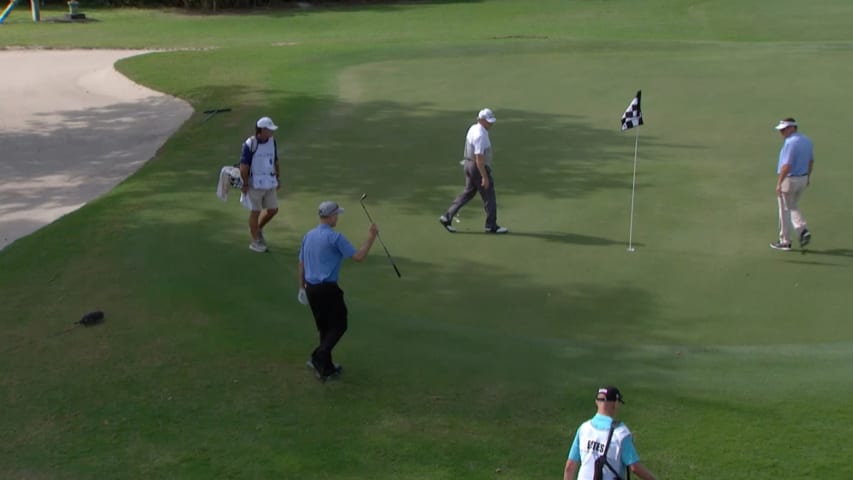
[793,174]
[320,257]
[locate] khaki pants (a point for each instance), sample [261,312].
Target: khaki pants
[263,198]
[789,209]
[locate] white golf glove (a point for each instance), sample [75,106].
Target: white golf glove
[302,297]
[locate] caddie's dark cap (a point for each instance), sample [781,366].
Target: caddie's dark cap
[610,393]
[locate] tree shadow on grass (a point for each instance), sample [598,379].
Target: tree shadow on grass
[409,154]
[803,258]
[558,237]
[373,6]
[403,154]
[833,252]
[399,153]
[814,263]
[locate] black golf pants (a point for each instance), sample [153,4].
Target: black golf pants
[330,315]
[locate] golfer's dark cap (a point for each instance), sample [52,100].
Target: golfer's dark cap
[610,394]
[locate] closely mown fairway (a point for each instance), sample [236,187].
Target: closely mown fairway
[735,360]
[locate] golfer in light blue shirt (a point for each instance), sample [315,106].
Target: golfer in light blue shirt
[793,172]
[320,257]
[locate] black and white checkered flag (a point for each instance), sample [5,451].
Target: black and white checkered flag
[633,116]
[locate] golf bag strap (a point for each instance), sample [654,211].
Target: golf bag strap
[607,464]
[613,425]
[609,437]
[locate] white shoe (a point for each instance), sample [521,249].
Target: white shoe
[257,247]
[497,229]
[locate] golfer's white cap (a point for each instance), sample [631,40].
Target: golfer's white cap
[487,115]
[327,209]
[266,122]
[788,122]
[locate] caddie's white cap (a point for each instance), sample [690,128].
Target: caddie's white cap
[788,122]
[266,122]
[487,115]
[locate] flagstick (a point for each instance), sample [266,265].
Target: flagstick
[633,190]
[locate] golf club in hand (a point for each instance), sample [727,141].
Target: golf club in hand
[387,253]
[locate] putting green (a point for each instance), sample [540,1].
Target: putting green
[702,272]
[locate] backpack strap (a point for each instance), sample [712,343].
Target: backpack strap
[252,142]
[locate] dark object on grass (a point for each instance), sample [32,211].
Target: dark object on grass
[211,113]
[89,320]
[92,318]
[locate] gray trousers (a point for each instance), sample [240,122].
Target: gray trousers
[473,185]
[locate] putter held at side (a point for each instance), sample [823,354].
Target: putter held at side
[387,253]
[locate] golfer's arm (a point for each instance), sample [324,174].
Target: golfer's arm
[782,174]
[361,253]
[641,471]
[301,274]
[480,160]
[571,471]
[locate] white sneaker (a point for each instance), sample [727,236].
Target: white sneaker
[497,229]
[257,247]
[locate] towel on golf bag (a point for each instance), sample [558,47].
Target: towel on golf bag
[229,177]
